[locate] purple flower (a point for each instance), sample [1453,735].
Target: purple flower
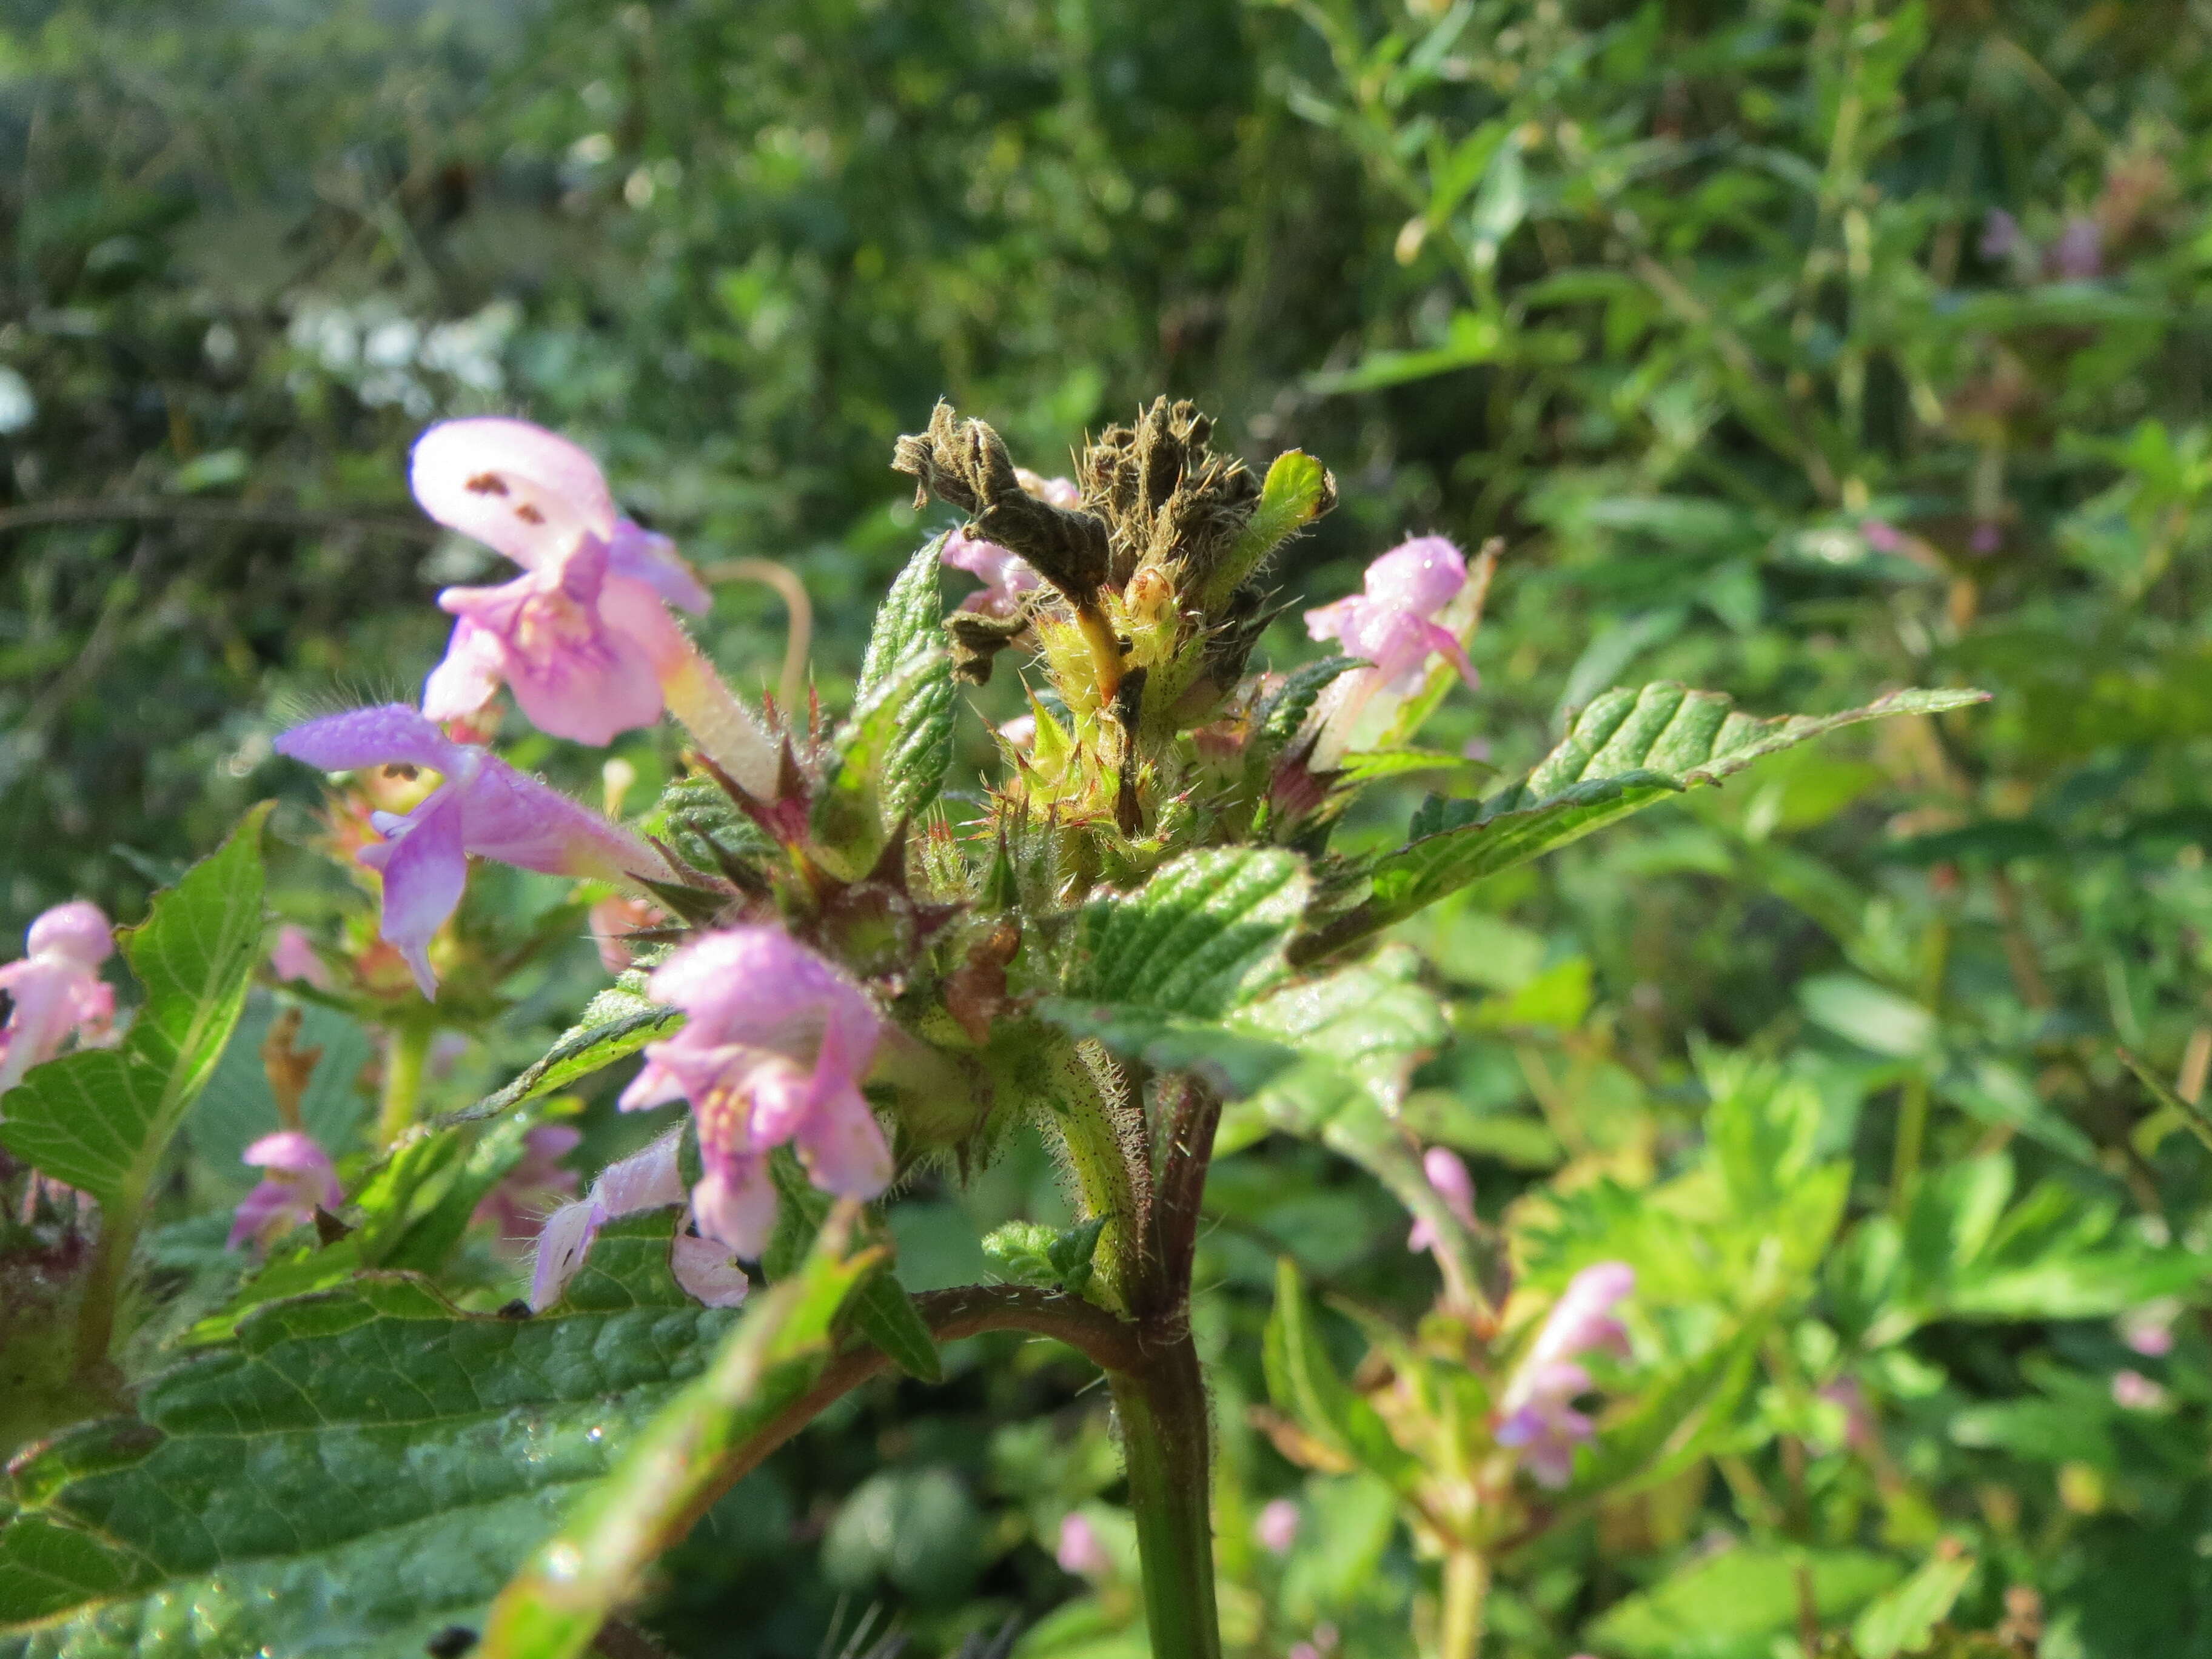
[1392,624]
[649,1180]
[1277,1528]
[2078,255]
[56,988]
[583,635]
[518,1205]
[1537,1415]
[483,806]
[1988,537]
[300,1180]
[773,1050]
[1079,1551]
[1453,1184]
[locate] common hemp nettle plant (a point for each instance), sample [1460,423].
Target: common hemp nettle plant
[833,978]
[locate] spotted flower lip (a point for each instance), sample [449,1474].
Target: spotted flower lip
[649,1180]
[483,806]
[55,989]
[582,636]
[773,1052]
[301,1178]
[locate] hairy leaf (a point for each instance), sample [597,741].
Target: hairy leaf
[361,1472]
[1297,490]
[1627,749]
[615,1024]
[907,651]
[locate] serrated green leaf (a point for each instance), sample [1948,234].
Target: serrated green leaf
[1021,1251]
[615,1024]
[1303,1384]
[889,759]
[1297,490]
[907,671]
[1626,750]
[555,1606]
[910,618]
[362,1470]
[101,1119]
[1204,935]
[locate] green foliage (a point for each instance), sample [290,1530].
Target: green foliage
[101,1119]
[403,1459]
[1627,750]
[615,1024]
[555,1606]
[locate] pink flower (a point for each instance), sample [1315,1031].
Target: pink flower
[1881,536]
[1537,1415]
[1006,575]
[294,958]
[649,1180]
[1277,1528]
[583,635]
[2149,1330]
[1988,537]
[774,1051]
[1453,1184]
[56,989]
[517,1206]
[1080,1552]
[1054,492]
[1392,624]
[2133,1391]
[483,806]
[300,1180]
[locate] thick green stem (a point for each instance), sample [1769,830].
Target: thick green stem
[406,1053]
[103,1290]
[1467,1589]
[1163,1435]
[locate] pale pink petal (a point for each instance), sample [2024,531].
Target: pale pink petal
[295,958]
[78,929]
[562,1243]
[649,1179]
[294,1152]
[515,487]
[1423,575]
[469,676]
[843,1148]
[1080,1551]
[272,1207]
[706,1271]
[1277,1528]
[519,820]
[736,1206]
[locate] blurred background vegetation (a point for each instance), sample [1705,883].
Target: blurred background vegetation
[1796,349]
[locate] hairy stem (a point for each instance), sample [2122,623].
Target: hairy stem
[1164,1438]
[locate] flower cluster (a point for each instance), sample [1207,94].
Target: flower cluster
[650,1180]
